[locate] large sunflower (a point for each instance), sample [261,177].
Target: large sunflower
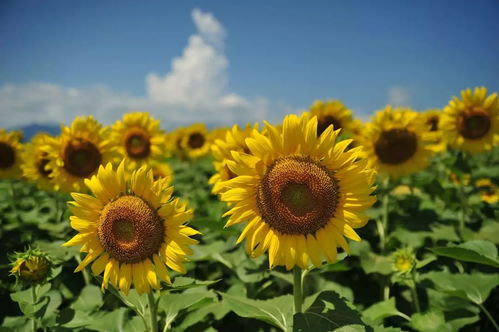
[299,194]
[131,230]
[10,160]
[396,142]
[335,113]
[195,141]
[138,139]
[77,153]
[472,122]
[35,162]
[222,152]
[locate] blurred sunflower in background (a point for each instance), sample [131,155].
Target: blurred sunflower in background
[396,142]
[234,140]
[335,113]
[194,141]
[35,162]
[299,194]
[10,148]
[138,140]
[77,153]
[471,123]
[131,229]
[488,190]
[162,170]
[432,119]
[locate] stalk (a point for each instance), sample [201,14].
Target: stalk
[152,313]
[489,316]
[33,297]
[414,292]
[298,289]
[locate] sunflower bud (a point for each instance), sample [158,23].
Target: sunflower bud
[404,260]
[31,267]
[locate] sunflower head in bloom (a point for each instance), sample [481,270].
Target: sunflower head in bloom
[403,260]
[299,194]
[194,141]
[138,140]
[488,191]
[31,267]
[35,162]
[131,229]
[77,153]
[234,140]
[10,160]
[471,123]
[396,142]
[432,119]
[334,113]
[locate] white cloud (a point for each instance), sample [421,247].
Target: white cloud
[194,90]
[398,96]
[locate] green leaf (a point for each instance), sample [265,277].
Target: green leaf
[477,251]
[489,231]
[328,312]
[375,314]
[90,299]
[113,321]
[475,287]
[186,283]
[277,311]
[217,309]
[429,321]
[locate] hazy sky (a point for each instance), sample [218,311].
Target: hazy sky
[233,61]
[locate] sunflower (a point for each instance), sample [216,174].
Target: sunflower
[131,229]
[35,161]
[488,191]
[222,152]
[162,171]
[77,153]
[432,119]
[396,142]
[403,260]
[299,194]
[472,122]
[138,140]
[335,113]
[10,160]
[195,141]
[31,267]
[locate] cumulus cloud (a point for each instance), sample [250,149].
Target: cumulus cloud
[398,96]
[194,90]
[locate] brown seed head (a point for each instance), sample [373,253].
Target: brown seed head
[396,146]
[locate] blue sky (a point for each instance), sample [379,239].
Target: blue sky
[270,56]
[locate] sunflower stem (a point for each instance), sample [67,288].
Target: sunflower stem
[383,226]
[33,297]
[414,292]
[298,288]
[489,316]
[153,319]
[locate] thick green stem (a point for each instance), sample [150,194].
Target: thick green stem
[489,316]
[383,225]
[33,297]
[463,212]
[153,318]
[298,288]
[415,297]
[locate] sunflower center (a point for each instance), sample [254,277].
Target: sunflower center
[7,155]
[297,195]
[130,230]
[81,157]
[42,162]
[474,124]
[34,269]
[396,146]
[325,122]
[137,144]
[196,140]
[432,122]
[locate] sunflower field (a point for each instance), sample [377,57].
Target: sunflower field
[321,222]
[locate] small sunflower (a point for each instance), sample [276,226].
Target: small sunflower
[10,160]
[299,194]
[488,191]
[195,141]
[396,143]
[335,113]
[77,153]
[403,260]
[432,119]
[138,139]
[31,267]
[131,229]
[162,170]
[221,149]
[35,162]
[472,122]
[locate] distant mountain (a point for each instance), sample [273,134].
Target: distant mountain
[32,129]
